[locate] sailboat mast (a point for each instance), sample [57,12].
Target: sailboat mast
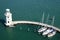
[53,20]
[43,18]
[47,18]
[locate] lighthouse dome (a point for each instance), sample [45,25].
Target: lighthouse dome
[8,13]
[8,10]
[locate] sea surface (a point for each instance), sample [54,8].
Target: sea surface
[29,10]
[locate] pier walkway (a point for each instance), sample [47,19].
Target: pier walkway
[10,23]
[36,23]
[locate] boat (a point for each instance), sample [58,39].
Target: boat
[51,34]
[42,29]
[47,31]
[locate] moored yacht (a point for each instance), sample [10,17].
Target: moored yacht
[51,34]
[47,31]
[42,29]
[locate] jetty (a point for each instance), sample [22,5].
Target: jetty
[10,23]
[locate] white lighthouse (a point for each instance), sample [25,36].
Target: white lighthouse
[8,15]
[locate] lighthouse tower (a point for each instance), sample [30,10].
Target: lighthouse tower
[8,17]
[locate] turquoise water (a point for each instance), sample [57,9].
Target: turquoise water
[31,10]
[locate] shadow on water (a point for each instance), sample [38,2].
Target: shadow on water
[3,22]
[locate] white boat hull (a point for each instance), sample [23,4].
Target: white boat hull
[42,29]
[51,34]
[47,31]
